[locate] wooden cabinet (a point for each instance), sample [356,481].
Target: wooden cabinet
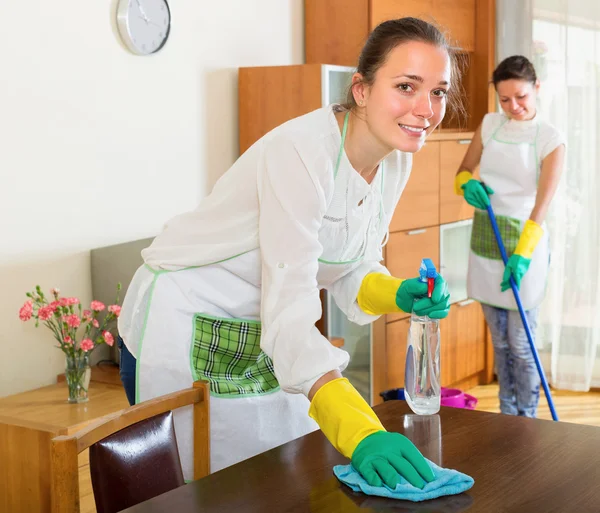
[404,253]
[419,203]
[465,354]
[456,17]
[268,96]
[336,30]
[452,206]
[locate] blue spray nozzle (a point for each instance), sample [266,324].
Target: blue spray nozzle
[427,270]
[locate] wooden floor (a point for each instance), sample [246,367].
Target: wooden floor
[580,408]
[576,407]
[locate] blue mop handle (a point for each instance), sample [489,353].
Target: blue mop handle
[522,312]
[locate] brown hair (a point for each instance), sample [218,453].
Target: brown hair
[516,67]
[387,36]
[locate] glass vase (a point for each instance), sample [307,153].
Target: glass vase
[78,374]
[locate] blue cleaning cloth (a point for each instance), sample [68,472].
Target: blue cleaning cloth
[446,482]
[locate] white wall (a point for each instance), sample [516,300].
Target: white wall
[98,146]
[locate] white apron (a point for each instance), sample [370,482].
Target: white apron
[170,305]
[511,169]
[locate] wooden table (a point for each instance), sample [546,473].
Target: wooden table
[519,466]
[28,421]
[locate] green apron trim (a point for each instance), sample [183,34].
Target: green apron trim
[227,354]
[483,241]
[139,351]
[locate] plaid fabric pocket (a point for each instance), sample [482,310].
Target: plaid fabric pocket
[483,241]
[227,354]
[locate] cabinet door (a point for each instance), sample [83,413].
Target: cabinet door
[452,206]
[404,253]
[456,17]
[396,334]
[463,346]
[419,203]
[269,96]
[335,30]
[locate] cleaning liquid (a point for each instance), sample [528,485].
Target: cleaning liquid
[422,373]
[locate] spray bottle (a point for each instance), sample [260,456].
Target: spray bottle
[422,373]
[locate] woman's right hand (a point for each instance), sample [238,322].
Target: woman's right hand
[383,457]
[476,194]
[353,428]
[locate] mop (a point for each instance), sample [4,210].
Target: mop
[523,316]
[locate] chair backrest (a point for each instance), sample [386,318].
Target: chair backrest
[135,464]
[133,453]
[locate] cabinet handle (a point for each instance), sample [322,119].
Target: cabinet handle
[466,302]
[416,232]
[464,141]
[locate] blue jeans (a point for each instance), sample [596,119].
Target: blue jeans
[517,374]
[127,369]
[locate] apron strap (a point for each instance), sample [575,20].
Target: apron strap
[340,153]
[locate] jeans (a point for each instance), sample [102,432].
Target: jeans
[127,372]
[517,373]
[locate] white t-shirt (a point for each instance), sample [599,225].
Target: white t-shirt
[536,131]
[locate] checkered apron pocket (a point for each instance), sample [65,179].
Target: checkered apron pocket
[483,241]
[227,354]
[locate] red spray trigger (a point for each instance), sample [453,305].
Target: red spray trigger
[430,285]
[428,274]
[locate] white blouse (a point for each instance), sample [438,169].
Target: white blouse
[279,225]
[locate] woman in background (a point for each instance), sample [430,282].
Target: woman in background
[521,159]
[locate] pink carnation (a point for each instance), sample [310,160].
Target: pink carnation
[54,305]
[86,344]
[116,309]
[55,291]
[68,301]
[45,313]
[87,315]
[97,306]
[26,311]
[95,323]
[72,320]
[108,338]
[68,340]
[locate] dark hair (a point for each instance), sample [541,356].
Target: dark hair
[515,67]
[387,36]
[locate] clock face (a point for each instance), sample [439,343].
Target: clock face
[144,24]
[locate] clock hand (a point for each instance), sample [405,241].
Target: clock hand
[145,17]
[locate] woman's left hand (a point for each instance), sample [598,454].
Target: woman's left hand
[412,297]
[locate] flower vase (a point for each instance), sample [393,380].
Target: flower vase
[78,374]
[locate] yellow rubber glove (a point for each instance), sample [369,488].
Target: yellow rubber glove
[354,430]
[343,415]
[529,239]
[377,294]
[519,261]
[461,178]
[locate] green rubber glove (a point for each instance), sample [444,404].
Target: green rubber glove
[384,457]
[411,296]
[516,267]
[477,193]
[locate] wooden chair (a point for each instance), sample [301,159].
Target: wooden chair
[148,424]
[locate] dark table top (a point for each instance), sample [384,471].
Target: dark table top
[519,466]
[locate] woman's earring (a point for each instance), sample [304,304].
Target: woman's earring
[360,103]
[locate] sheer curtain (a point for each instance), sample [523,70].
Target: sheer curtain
[563,41]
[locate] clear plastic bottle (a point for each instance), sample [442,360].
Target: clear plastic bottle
[422,373]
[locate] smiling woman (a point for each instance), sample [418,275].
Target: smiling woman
[229,292]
